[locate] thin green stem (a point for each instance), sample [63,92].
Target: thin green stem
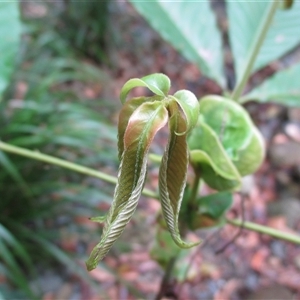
[111,179]
[64,164]
[255,47]
[266,230]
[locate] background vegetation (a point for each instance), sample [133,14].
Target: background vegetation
[62,99]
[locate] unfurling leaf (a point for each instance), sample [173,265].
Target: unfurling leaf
[210,158]
[225,144]
[142,126]
[172,174]
[157,83]
[190,106]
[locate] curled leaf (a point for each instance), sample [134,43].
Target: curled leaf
[127,110]
[236,132]
[142,126]
[157,83]
[189,105]
[210,158]
[172,175]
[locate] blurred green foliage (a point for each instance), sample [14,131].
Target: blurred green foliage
[43,109]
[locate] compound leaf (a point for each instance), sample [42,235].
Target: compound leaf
[142,126]
[172,175]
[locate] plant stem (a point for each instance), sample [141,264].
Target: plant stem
[111,179]
[255,47]
[65,164]
[266,230]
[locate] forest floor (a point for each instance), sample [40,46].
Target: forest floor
[253,266]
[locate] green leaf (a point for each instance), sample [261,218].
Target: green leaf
[282,88]
[14,173]
[143,124]
[211,210]
[172,175]
[191,27]
[10,32]
[210,158]
[236,132]
[244,20]
[190,106]
[127,110]
[157,83]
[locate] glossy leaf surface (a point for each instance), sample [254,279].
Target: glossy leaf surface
[282,88]
[158,83]
[235,130]
[127,110]
[172,175]
[191,27]
[142,126]
[211,160]
[190,106]
[10,32]
[244,19]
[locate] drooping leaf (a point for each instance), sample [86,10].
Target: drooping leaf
[10,39]
[210,210]
[190,106]
[172,174]
[244,22]
[282,88]
[158,83]
[236,132]
[191,27]
[143,124]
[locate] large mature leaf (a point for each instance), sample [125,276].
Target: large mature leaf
[10,30]
[141,129]
[172,175]
[244,21]
[158,83]
[190,26]
[282,88]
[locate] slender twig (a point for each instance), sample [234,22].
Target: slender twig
[293,238]
[255,47]
[65,164]
[111,179]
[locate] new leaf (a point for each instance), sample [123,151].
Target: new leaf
[142,126]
